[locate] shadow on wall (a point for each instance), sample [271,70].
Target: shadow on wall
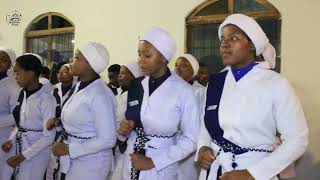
[307,168]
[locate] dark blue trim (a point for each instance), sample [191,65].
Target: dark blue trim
[17,109]
[211,118]
[240,73]
[135,97]
[58,100]
[214,92]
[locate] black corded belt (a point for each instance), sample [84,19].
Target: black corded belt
[21,130]
[139,147]
[64,136]
[228,146]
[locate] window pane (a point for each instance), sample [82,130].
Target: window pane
[205,46]
[62,47]
[272,30]
[59,22]
[220,7]
[242,6]
[39,46]
[62,51]
[42,24]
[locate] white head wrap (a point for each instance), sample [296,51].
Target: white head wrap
[10,53]
[193,61]
[162,41]
[253,30]
[134,68]
[269,55]
[75,78]
[66,65]
[97,55]
[36,55]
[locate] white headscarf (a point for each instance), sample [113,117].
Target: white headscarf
[253,30]
[134,68]
[75,78]
[162,41]
[269,55]
[97,55]
[10,53]
[66,65]
[37,56]
[193,61]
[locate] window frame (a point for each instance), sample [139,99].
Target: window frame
[48,32]
[192,20]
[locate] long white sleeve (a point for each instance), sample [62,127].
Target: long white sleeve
[291,124]
[7,119]
[48,107]
[10,96]
[189,125]
[103,113]
[204,138]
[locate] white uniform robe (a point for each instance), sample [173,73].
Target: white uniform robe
[53,160]
[89,113]
[199,91]
[171,107]
[9,92]
[189,170]
[118,157]
[46,84]
[251,111]
[35,111]
[62,98]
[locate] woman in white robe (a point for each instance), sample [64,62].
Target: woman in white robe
[88,119]
[61,91]
[29,141]
[246,105]
[9,91]
[187,66]
[44,81]
[66,81]
[159,105]
[127,74]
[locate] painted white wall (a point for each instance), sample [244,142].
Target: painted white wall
[117,24]
[300,62]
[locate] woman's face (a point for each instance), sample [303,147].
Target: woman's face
[23,77]
[203,75]
[184,69]
[64,75]
[150,59]
[5,62]
[235,47]
[125,77]
[79,65]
